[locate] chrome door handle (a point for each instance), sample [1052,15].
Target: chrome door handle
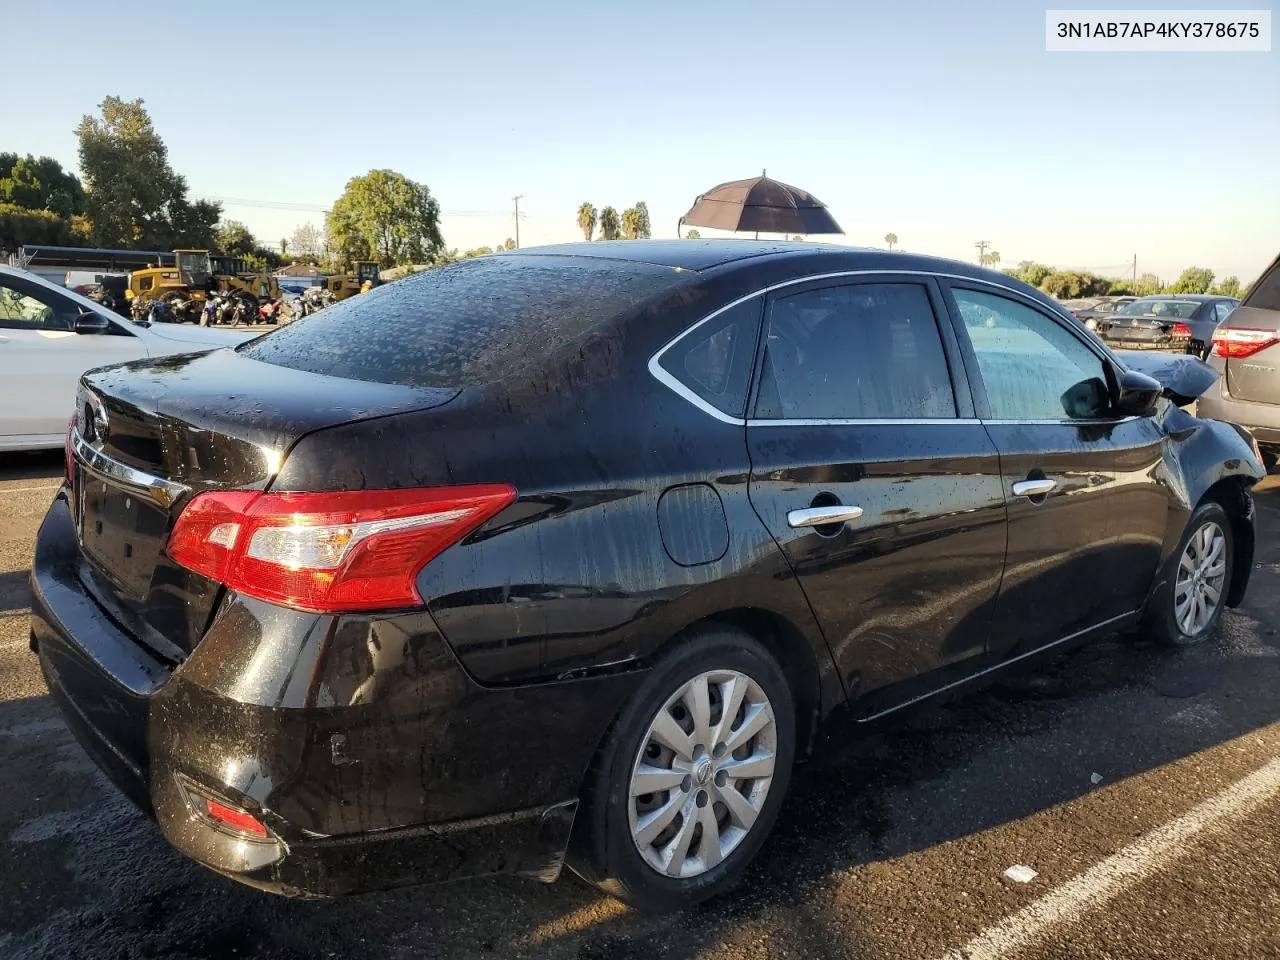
[820,516]
[1033,488]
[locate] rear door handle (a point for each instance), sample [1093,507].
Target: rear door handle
[821,516]
[1033,488]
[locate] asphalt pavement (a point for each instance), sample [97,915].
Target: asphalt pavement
[1141,785]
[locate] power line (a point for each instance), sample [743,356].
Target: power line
[317,208]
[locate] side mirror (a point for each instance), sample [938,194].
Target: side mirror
[91,323]
[1137,394]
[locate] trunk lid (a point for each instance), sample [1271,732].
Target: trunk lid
[1257,376]
[152,434]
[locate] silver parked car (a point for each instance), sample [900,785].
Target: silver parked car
[1246,351]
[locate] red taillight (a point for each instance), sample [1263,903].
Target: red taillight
[328,552]
[1237,342]
[1180,331]
[236,819]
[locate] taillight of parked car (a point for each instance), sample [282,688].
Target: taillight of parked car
[1180,331]
[1238,342]
[329,552]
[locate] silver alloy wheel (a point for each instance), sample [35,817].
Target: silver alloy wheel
[1202,573]
[702,773]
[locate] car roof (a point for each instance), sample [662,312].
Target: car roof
[698,255]
[684,254]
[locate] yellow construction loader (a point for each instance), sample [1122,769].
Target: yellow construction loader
[343,285]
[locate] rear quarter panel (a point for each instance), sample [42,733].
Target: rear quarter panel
[574,578]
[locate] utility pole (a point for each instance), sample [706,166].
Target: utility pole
[516,201]
[982,251]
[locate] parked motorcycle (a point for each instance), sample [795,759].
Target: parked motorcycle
[269,311]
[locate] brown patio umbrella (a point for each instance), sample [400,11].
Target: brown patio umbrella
[760,205]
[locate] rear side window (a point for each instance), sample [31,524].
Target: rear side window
[866,351]
[475,322]
[713,361]
[1265,294]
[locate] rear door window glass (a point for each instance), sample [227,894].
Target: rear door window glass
[866,351]
[471,323]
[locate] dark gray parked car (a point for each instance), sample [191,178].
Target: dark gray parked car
[1246,351]
[1176,322]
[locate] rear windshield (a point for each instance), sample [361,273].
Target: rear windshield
[474,322]
[1178,309]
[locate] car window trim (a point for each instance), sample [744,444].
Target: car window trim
[950,339]
[40,291]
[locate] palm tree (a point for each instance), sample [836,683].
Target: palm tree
[891,239]
[609,223]
[631,223]
[587,219]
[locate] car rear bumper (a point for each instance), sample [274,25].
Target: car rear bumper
[1260,419]
[1162,346]
[378,793]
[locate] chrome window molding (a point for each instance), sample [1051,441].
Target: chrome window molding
[1001,665]
[869,422]
[669,381]
[156,489]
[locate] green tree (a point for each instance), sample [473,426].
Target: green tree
[1028,271]
[40,184]
[587,218]
[891,239]
[693,235]
[630,223]
[609,224]
[387,217]
[1070,285]
[234,239]
[1193,280]
[1227,287]
[133,197]
[18,225]
[644,229]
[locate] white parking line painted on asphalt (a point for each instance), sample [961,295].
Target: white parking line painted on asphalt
[53,486]
[1112,876]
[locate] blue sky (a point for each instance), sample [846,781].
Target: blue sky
[945,123]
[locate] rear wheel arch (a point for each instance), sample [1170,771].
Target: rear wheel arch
[787,644]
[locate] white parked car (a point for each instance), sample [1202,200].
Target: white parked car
[49,336]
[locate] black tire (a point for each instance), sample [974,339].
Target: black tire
[604,852]
[1161,618]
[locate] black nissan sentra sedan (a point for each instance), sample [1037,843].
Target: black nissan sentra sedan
[564,555]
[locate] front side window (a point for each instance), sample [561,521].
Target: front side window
[714,360]
[22,309]
[1033,368]
[866,351]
